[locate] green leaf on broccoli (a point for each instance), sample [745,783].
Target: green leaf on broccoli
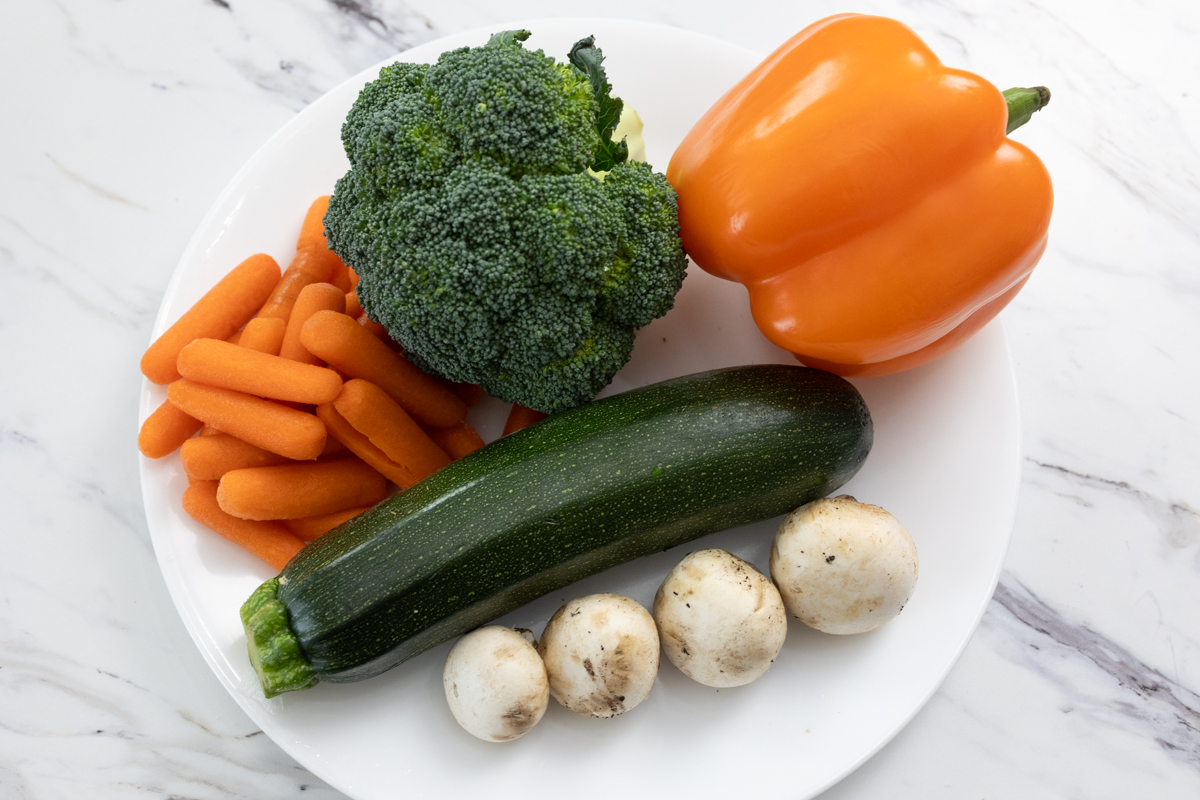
[588,59]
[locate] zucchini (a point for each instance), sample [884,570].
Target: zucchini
[575,494]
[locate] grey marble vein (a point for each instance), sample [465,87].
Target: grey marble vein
[1176,520]
[1152,702]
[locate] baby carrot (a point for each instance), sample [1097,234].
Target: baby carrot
[228,366]
[165,430]
[457,440]
[521,417]
[226,307]
[309,528]
[379,332]
[311,265]
[269,425]
[264,334]
[312,298]
[340,275]
[361,446]
[270,541]
[353,307]
[378,417]
[353,277]
[312,231]
[334,448]
[469,393]
[209,430]
[292,491]
[355,352]
[235,337]
[207,458]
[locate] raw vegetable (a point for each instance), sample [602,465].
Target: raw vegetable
[165,430]
[264,334]
[309,528]
[843,566]
[352,350]
[222,310]
[866,195]
[520,417]
[310,265]
[377,416]
[207,458]
[231,366]
[358,443]
[495,684]
[293,491]
[263,423]
[722,621]
[480,238]
[270,541]
[458,440]
[312,298]
[601,654]
[312,230]
[575,494]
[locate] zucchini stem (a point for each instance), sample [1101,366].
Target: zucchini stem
[274,649]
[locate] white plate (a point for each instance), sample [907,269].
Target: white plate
[945,461]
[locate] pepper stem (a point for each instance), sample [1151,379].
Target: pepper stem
[1022,103]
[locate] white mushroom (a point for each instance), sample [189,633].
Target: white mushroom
[496,684]
[601,654]
[721,620]
[843,566]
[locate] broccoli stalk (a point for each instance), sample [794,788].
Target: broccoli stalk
[482,242]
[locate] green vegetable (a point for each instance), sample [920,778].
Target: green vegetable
[568,497]
[481,240]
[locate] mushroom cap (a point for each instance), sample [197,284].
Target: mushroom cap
[721,621]
[495,684]
[601,654]
[843,566]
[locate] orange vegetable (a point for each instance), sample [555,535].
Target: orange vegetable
[469,393]
[353,351]
[521,417]
[361,446]
[457,441]
[379,332]
[312,231]
[264,334]
[312,235]
[353,307]
[229,366]
[334,448]
[311,265]
[378,417]
[866,195]
[292,491]
[207,458]
[269,425]
[270,541]
[217,315]
[312,298]
[309,528]
[165,430]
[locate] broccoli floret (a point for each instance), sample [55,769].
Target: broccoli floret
[496,229]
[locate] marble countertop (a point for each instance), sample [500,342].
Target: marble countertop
[124,120]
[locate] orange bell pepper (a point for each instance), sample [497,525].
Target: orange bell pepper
[866,195]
